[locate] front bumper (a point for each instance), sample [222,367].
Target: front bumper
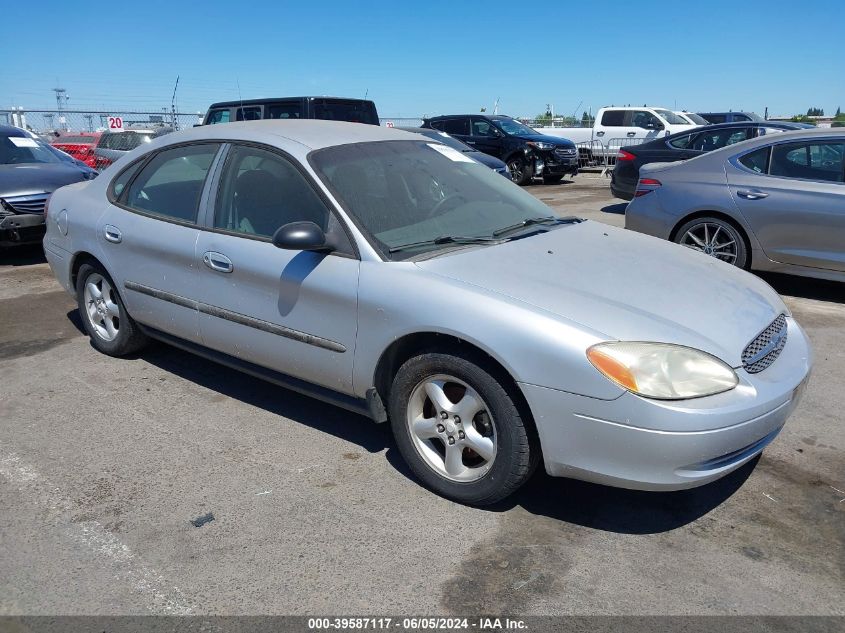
[635,442]
[554,165]
[21,228]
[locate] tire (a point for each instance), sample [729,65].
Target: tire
[108,324]
[552,180]
[716,237]
[507,451]
[519,170]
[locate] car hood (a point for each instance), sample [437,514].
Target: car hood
[27,178]
[621,285]
[545,138]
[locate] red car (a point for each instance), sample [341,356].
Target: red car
[80,146]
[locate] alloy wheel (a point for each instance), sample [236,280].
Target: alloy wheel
[712,238]
[451,428]
[101,307]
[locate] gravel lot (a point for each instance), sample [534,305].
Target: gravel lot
[104,462]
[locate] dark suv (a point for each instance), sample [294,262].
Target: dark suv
[330,108]
[526,152]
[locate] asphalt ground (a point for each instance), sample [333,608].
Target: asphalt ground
[105,462]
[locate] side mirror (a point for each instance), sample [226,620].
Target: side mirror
[301,236]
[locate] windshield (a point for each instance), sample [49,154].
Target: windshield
[16,150]
[514,127]
[672,118]
[413,192]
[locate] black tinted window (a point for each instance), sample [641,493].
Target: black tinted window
[757,160]
[260,191]
[284,111]
[716,118]
[171,183]
[482,127]
[455,126]
[810,161]
[682,142]
[613,118]
[352,111]
[708,141]
[249,113]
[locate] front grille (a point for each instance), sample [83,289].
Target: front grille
[561,151]
[27,204]
[763,350]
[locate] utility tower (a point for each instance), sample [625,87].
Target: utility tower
[61,104]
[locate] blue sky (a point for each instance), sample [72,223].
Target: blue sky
[431,57]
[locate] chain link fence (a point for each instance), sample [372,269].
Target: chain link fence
[61,122]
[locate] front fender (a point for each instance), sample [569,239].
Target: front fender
[536,347]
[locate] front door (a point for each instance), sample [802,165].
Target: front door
[793,196]
[485,137]
[149,237]
[291,311]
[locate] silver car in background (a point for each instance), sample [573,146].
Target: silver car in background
[391,275]
[774,203]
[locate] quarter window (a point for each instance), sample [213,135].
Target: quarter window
[119,183]
[218,116]
[260,191]
[170,184]
[682,142]
[757,160]
[810,161]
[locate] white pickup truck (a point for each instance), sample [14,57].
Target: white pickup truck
[615,127]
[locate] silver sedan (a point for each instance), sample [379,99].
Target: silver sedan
[393,276]
[774,203]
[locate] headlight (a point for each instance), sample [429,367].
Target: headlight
[541,145]
[662,371]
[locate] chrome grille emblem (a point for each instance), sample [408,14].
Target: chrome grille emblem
[766,347]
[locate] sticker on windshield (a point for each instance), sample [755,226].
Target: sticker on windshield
[23,141]
[451,154]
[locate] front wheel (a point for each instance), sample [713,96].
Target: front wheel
[459,430]
[715,237]
[104,316]
[519,170]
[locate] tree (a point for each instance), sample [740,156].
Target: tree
[586,119]
[815,112]
[838,112]
[803,118]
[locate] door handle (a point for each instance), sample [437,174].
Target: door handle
[112,234]
[632,133]
[217,261]
[599,133]
[751,194]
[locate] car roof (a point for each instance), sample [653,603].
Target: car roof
[11,130]
[240,102]
[729,112]
[309,133]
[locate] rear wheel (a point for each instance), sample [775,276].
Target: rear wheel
[715,237]
[104,316]
[459,430]
[519,170]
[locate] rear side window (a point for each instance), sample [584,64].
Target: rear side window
[613,118]
[249,113]
[708,141]
[352,111]
[171,183]
[757,161]
[218,116]
[119,183]
[809,161]
[455,126]
[284,111]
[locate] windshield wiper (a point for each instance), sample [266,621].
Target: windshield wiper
[447,239]
[550,219]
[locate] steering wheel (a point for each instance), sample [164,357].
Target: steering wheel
[437,207]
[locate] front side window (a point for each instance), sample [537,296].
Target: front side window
[407,194]
[218,116]
[170,185]
[809,161]
[261,191]
[644,119]
[482,127]
[672,118]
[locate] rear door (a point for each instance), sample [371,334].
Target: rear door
[149,233]
[793,197]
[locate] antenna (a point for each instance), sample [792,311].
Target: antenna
[173,106]
[578,107]
[496,106]
[366,92]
